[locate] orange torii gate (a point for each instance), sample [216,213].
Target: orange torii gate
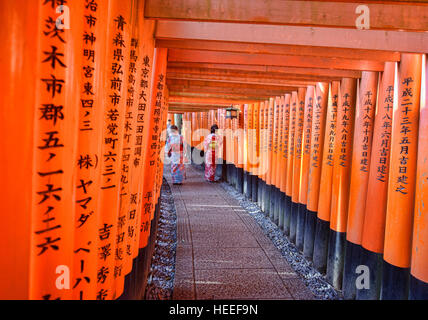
[90,124]
[319,127]
[373,233]
[328,141]
[333,134]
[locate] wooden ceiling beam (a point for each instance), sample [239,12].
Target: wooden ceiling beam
[218,95]
[272,70]
[243,80]
[225,85]
[195,107]
[238,74]
[182,55]
[205,100]
[266,48]
[294,35]
[263,93]
[383,16]
[183,110]
[201,105]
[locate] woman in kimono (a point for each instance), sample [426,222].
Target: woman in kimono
[212,147]
[175,151]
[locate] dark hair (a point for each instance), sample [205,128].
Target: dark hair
[214,127]
[174,127]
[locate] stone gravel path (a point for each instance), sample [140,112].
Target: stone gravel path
[222,253]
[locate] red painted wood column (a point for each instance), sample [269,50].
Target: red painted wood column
[269,118]
[117,71]
[248,114]
[284,204]
[261,182]
[152,140]
[306,151]
[322,229]
[17,60]
[284,156]
[373,230]
[419,262]
[401,187]
[239,150]
[290,161]
[254,154]
[264,136]
[273,177]
[362,146]
[297,161]
[279,205]
[57,77]
[341,178]
[315,162]
[88,175]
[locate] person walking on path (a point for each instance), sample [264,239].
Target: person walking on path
[212,147]
[175,151]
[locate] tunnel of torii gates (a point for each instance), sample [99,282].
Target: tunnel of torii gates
[331,137]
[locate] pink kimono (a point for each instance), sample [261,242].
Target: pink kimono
[212,147]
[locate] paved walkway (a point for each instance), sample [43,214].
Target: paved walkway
[222,253]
